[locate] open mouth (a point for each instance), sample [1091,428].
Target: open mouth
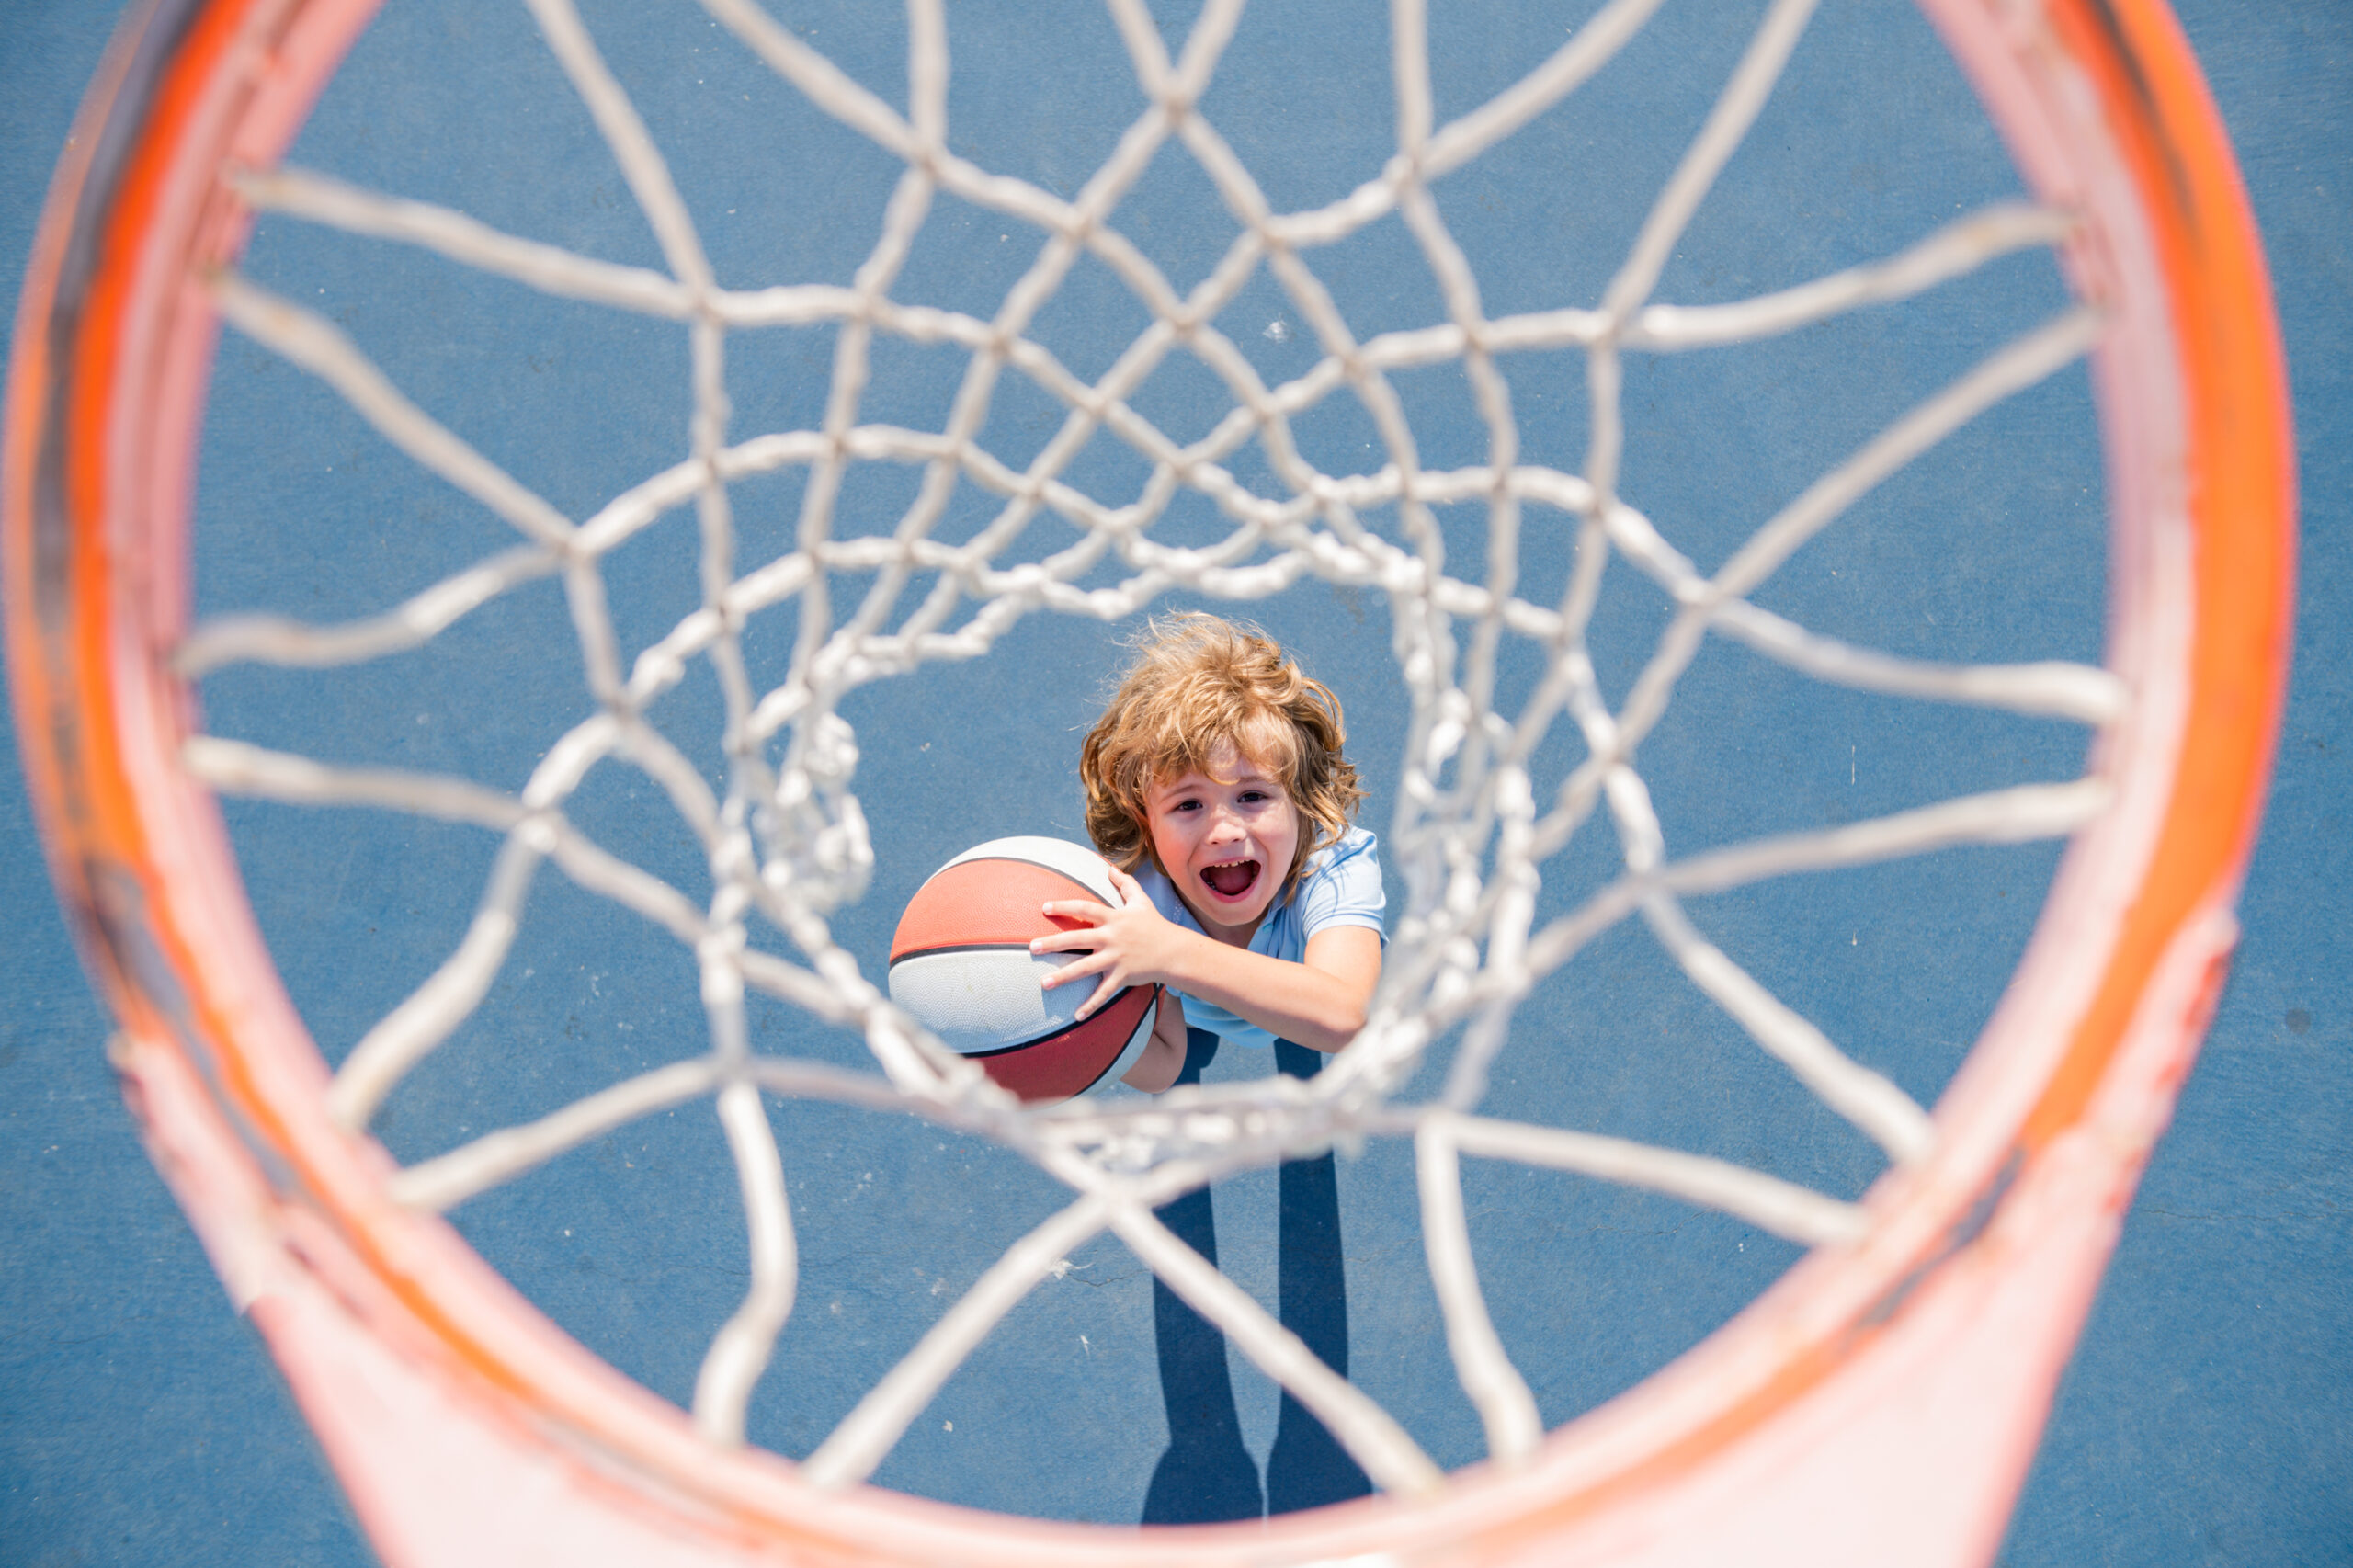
[1232,880]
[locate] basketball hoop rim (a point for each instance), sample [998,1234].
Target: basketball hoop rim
[112,351]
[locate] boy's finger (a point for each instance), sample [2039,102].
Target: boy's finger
[1077,909]
[1077,969]
[1110,987]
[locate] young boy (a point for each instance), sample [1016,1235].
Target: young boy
[1216,788]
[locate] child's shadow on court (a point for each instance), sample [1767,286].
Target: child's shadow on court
[1207,1475]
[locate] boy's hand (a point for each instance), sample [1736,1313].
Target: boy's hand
[1132,944]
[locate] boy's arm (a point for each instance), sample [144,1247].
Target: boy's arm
[1319,1004]
[1163,1058]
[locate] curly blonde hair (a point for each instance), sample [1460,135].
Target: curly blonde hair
[1198,684]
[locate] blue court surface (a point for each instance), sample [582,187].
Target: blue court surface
[2207,1416]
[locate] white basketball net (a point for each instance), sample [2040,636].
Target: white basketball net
[787,843]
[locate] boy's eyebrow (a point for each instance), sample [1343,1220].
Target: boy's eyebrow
[1202,780]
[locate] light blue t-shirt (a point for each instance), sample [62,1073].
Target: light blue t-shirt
[1340,885]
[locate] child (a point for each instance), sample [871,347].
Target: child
[1216,788]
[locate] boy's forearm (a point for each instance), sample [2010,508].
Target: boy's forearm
[1161,1062]
[1291,1001]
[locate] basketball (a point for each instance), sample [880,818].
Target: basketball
[960,963]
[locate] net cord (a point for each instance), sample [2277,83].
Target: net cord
[786,842]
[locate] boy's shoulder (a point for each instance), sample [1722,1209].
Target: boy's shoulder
[1342,874]
[1340,885]
[1358,844]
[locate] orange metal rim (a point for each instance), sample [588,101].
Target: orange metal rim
[88,648]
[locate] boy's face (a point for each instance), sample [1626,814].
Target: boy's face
[1228,844]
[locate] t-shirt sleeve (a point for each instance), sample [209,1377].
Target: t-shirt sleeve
[1346,890]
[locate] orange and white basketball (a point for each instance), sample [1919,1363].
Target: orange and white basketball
[960,963]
